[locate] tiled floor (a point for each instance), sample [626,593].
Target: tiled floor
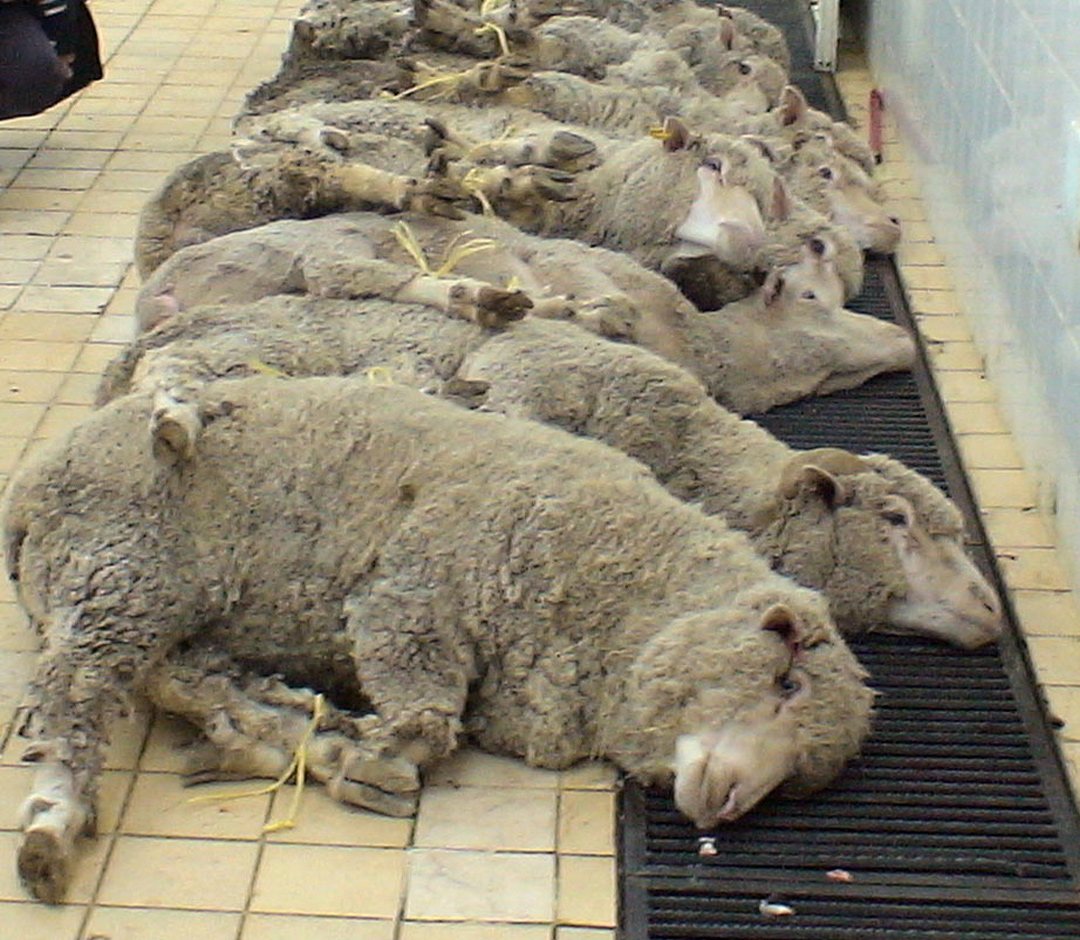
[498,851]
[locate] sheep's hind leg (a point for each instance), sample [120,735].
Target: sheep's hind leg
[53,816]
[468,299]
[255,727]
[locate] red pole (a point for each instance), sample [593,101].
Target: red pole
[877,105]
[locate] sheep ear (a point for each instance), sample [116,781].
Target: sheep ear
[762,146]
[727,32]
[792,105]
[780,205]
[780,620]
[773,286]
[676,135]
[815,480]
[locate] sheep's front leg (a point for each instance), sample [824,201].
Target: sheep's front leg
[362,187]
[411,662]
[468,299]
[515,186]
[612,316]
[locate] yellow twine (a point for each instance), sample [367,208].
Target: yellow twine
[257,365]
[455,253]
[297,765]
[439,79]
[470,182]
[380,375]
[660,133]
[504,45]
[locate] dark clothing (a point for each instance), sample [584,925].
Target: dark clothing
[33,37]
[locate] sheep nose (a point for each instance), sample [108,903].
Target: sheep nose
[817,246]
[895,220]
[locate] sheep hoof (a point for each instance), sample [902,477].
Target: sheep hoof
[44,864]
[174,428]
[567,147]
[390,774]
[374,799]
[551,184]
[610,317]
[497,308]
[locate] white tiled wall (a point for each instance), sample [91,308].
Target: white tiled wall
[988,91]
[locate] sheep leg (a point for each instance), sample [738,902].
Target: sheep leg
[468,299]
[416,677]
[518,184]
[254,727]
[612,316]
[53,816]
[362,186]
[175,422]
[116,610]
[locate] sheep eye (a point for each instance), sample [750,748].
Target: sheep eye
[744,68]
[809,295]
[817,246]
[894,518]
[713,163]
[825,173]
[787,685]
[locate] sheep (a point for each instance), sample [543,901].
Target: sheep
[780,344]
[457,572]
[750,224]
[830,532]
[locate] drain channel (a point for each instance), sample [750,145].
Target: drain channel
[957,821]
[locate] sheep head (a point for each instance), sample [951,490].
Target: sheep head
[882,543]
[727,705]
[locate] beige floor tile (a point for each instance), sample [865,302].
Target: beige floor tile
[429,930]
[54,327]
[583,933]
[126,739]
[1064,704]
[1057,659]
[35,199]
[32,222]
[68,160]
[1047,613]
[322,879]
[14,275]
[324,821]
[290,927]
[919,253]
[486,886]
[924,279]
[132,181]
[15,633]
[72,272]
[93,358]
[28,921]
[994,488]
[964,386]
[20,420]
[587,822]
[83,248]
[589,775]
[202,874]
[60,419]
[140,160]
[103,222]
[77,389]
[989,451]
[496,818]
[976,418]
[164,751]
[8,295]
[1033,569]
[586,891]
[141,923]
[161,806]
[1015,528]
[65,299]
[470,767]
[953,357]
[945,328]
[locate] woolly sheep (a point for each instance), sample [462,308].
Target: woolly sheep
[378,552]
[773,347]
[911,574]
[615,202]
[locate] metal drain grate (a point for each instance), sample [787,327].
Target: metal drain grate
[956,821]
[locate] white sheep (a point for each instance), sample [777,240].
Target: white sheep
[457,571]
[882,542]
